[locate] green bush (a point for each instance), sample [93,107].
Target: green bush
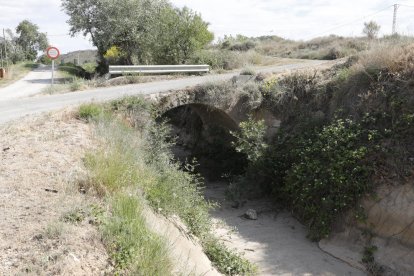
[89,111]
[74,70]
[250,139]
[90,67]
[322,174]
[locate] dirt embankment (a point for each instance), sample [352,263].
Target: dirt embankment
[40,231]
[39,159]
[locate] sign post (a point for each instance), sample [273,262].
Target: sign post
[53,53]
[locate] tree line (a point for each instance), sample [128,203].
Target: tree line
[24,44]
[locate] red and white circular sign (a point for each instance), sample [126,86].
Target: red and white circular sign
[53,52]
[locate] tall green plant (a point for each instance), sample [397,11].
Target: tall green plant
[250,139]
[327,175]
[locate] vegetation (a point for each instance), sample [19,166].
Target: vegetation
[248,72]
[250,139]
[135,164]
[344,131]
[325,175]
[17,71]
[30,39]
[164,34]
[226,261]
[133,248]
[71,77]
[326,48]
[371,29]
[25,45]
[89,111]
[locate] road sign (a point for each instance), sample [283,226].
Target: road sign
[53,53]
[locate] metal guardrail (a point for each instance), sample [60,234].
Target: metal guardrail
[157,69]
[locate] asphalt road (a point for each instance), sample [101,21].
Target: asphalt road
[12,108]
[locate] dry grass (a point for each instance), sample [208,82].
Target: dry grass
[45,153]
[392,57]
[325,48]
[16,72]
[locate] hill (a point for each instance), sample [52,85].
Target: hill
[84,56]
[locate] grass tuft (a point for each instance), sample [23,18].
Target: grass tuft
[134,249]
[90,111]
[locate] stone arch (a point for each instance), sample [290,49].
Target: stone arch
[209,115]
[228,115]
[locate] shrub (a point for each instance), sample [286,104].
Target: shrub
[242,46]
[327,174]
[248,72]
[90,67]
[250,139]
[76,84]
[217,59]
[74,70]
[89,111]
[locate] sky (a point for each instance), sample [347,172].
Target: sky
[293,19]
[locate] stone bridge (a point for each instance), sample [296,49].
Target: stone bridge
[216,107]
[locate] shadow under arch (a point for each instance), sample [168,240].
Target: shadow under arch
[208,114]
[204,132]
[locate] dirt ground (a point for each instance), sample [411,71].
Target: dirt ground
[276,242]
[39,162]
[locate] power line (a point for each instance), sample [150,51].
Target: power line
[58,35]
[403,5]
[351,22]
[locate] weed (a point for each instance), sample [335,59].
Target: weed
[227,261]
[54,230]
[74,216]
[76,84]
[90,111]
[134,249]
[250,139]
[248,72]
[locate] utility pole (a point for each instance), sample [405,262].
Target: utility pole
[5,49]
[1,58]
[394,19]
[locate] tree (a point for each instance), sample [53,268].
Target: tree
[371,29]
[14,52]
[30,39]
[145,31]
[181,32]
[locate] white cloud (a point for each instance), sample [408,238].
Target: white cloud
[296,19]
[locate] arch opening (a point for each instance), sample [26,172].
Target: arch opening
[203,133]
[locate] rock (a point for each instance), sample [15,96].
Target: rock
[251,214]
